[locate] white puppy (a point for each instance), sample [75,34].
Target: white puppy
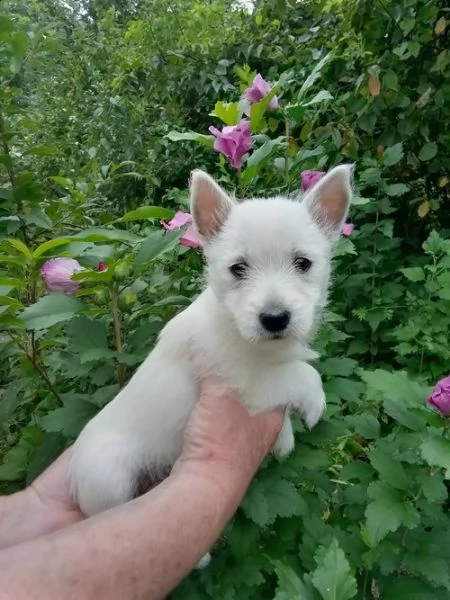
[268,269]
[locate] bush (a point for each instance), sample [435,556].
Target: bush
[97,145]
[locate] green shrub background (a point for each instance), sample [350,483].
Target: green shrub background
[91,93]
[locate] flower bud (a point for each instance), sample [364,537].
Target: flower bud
[57,274]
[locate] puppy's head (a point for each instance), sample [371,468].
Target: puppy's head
[269,259]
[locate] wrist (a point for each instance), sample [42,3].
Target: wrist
[231,478]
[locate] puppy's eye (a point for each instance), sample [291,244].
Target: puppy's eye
[239,270]
[302,264]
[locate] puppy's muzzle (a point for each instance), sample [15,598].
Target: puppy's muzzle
[275,321]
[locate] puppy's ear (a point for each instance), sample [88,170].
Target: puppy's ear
[210,205]
[329,200]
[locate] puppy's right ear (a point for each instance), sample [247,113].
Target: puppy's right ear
[210,205]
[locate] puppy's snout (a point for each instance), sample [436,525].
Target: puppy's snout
[275,320]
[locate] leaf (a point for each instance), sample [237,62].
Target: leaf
[374,85]
[428,151]
[333,577]
[319,97]
[343,367]
[393,155]
[414,273]
[389,468]
[387,512]
[290,586]
[51,447]
[43,151]
[410,588]
[424,209]
[71,418]
[228,112]
[50,245]
[20,247]
[146,212]
[436,452]
[54,308]
[433,487]
[178,136]
[156,244]
[87,334]
[440,26]
[396,189]
[314,75]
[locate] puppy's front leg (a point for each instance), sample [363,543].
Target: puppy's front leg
[310,403]
[285,441]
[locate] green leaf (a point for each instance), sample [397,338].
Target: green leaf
[436,452]
[71,418]
[290,586]
[319,97]
[258,157]
[43,151]
[393,155]
[20,247]
[387,512]
[414,273]
[13,282]
[48,451]
[146,212]
[178,136]
[365,425]
[54,308]
[343,367]
[333,577]
[433,487]
[156,244]
[410,588]
[19,45]
[390,469]
[228,112]
[397,189]
[87,334]
[428,151]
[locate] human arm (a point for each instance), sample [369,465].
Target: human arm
[144,548]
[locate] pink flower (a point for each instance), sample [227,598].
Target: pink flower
[179,220]
[440,397]
[57,274]
[102,267]
[234,141]
[189,237]
[309,179]
[259,90]
[347,229]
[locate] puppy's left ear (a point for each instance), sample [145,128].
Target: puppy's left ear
[210,205]
[329,200]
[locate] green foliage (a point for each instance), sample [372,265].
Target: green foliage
[104,110]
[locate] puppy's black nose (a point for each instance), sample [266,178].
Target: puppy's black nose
[275,320]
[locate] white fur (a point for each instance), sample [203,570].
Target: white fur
[140,432]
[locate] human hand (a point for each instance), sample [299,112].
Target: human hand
[221,435]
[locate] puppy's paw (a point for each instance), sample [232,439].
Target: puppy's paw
[285,441]
[204,561]
[315,410]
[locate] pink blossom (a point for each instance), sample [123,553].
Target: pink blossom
[309,179]
[57,274]
[189,237]
[179,220]
[259,89]
[102,266]
[347,229]
[440,397]
[234,141]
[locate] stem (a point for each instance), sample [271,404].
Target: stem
[117,333]
[365,582]
[286,158]
[240,185]
[12,176]
[40,368]
[374,273]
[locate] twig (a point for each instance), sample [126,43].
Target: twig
[117,334]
